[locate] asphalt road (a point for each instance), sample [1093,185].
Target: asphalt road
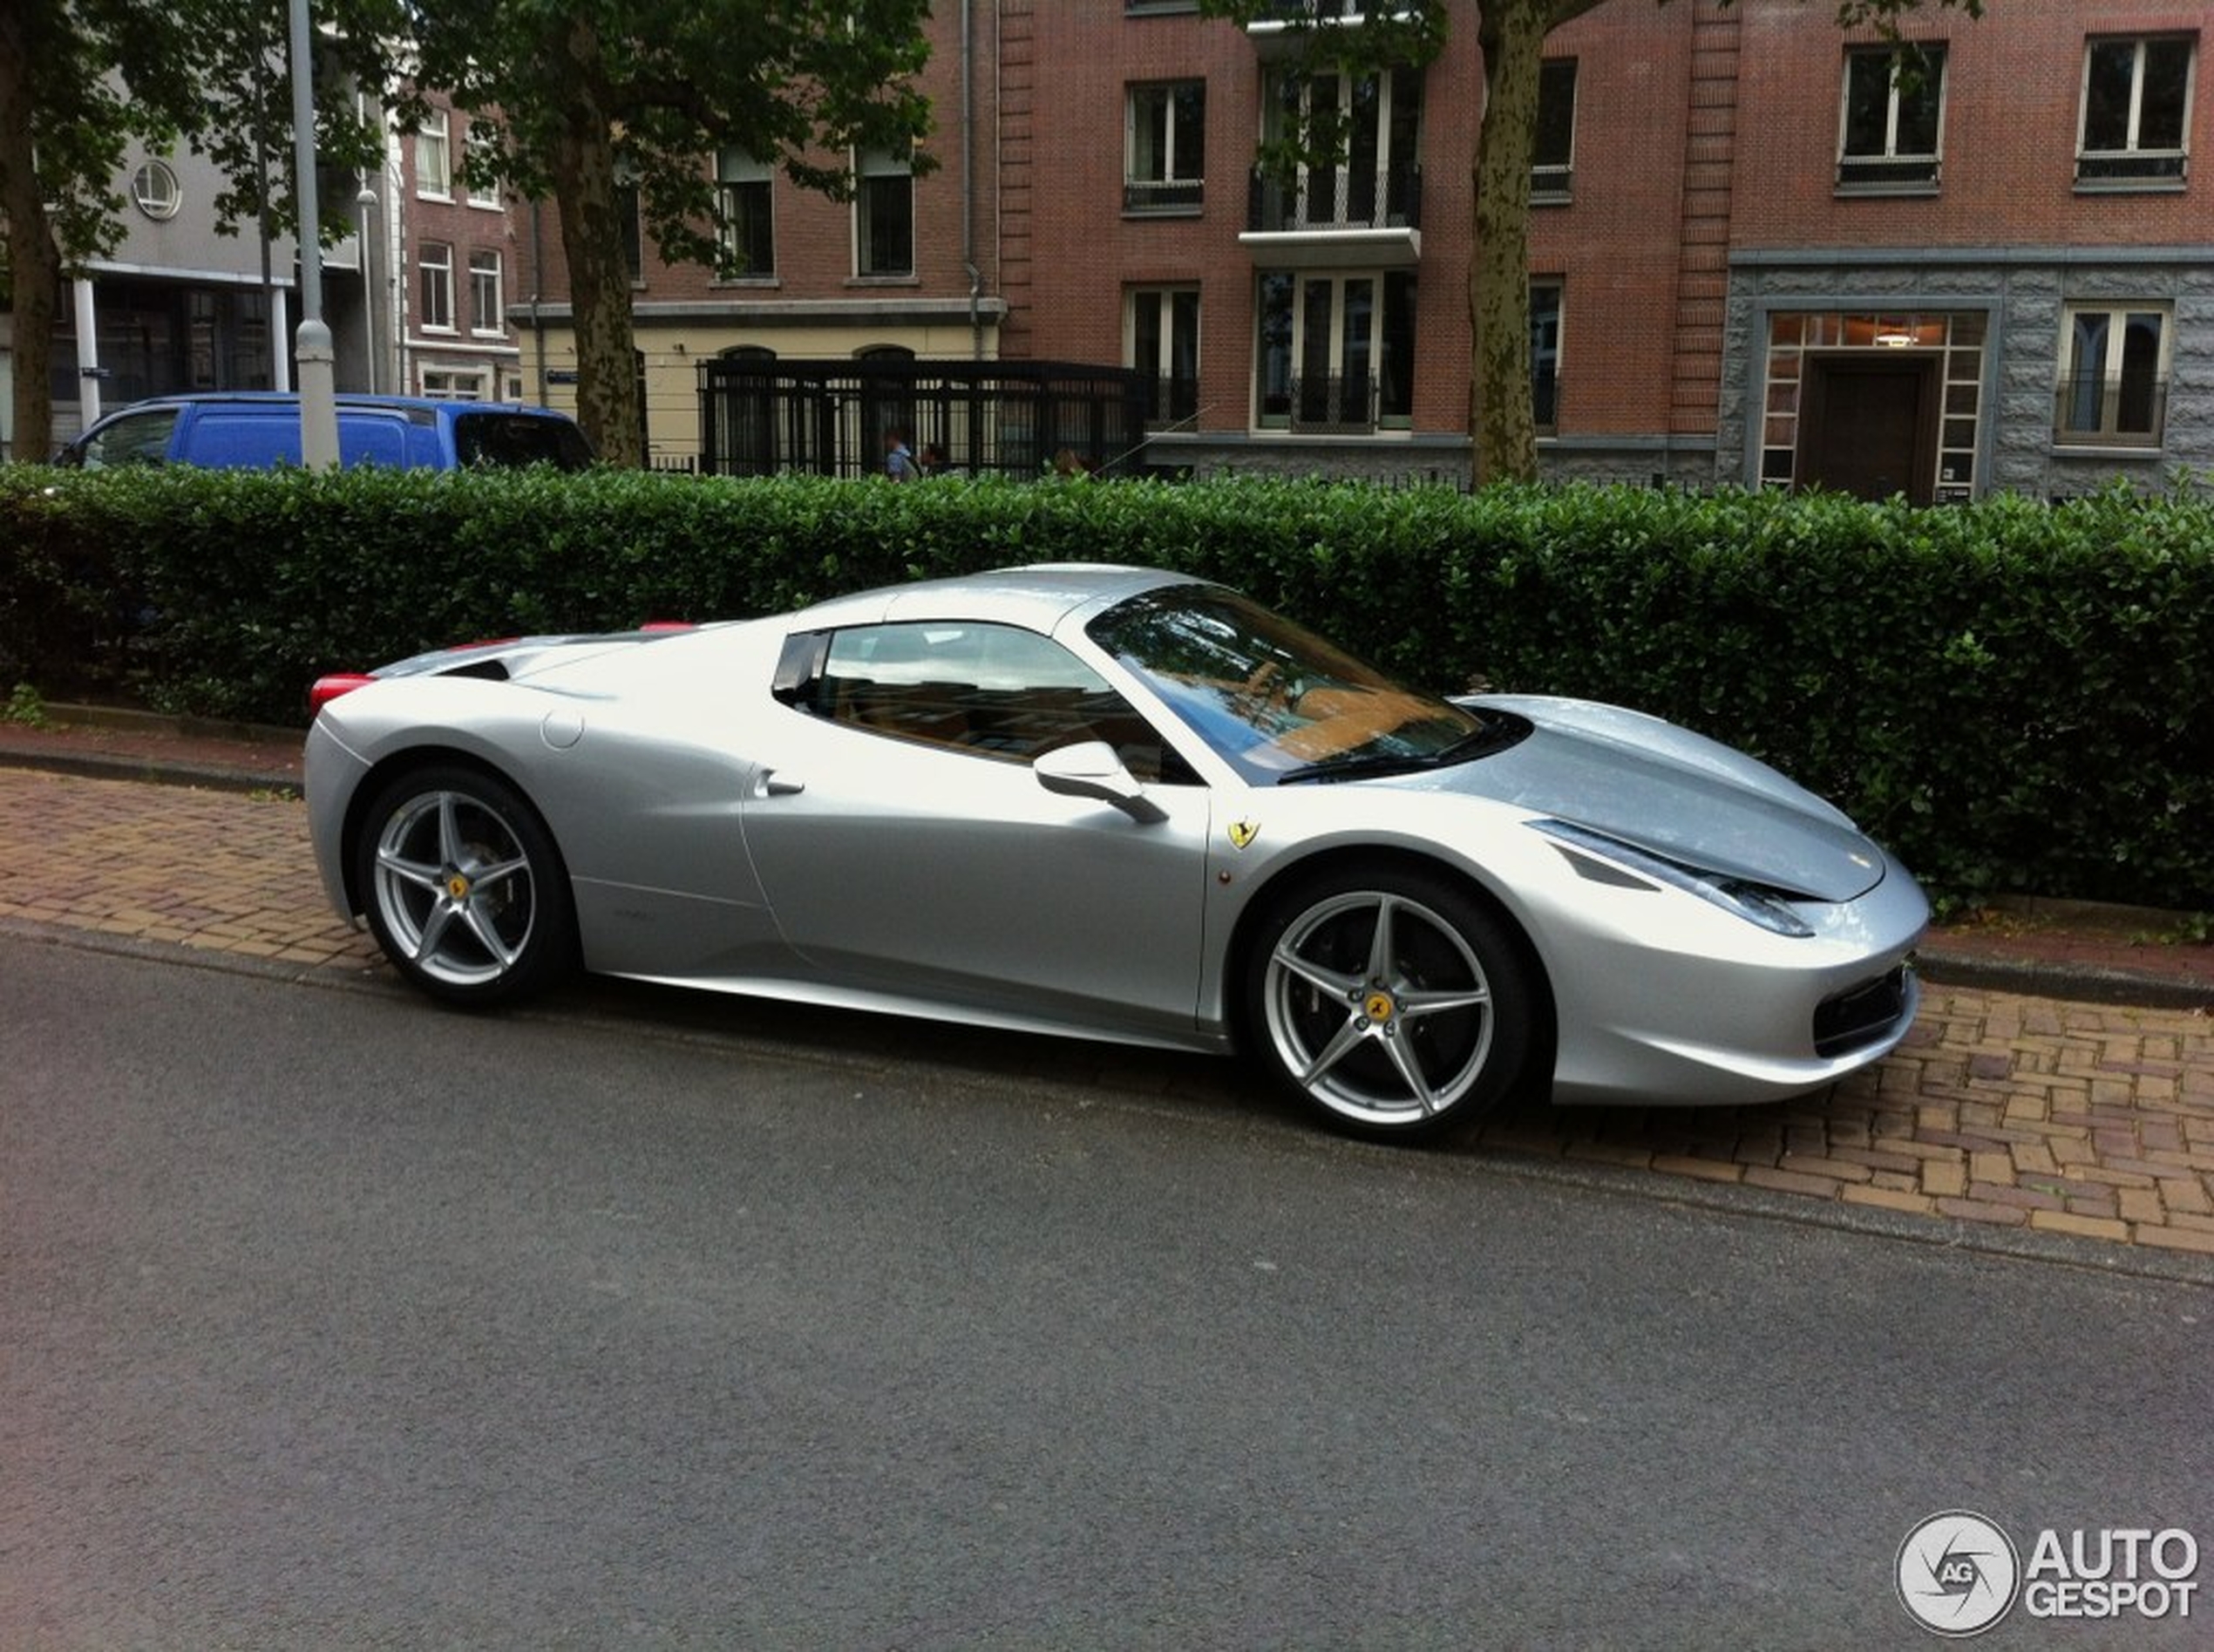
[330,1319]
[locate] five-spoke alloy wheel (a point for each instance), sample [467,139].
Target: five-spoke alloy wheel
[465,890]
[1390,999]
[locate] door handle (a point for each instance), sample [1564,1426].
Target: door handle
[772,785]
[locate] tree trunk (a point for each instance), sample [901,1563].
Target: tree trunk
[593,238]
[34,261]
[1503,429]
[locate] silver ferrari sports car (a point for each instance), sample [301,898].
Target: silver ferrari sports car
[1121,804]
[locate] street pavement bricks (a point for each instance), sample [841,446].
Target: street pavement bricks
[2088,1120]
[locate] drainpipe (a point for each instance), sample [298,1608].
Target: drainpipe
[538,289]
[968,186]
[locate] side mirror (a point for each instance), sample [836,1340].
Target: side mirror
[1091,768]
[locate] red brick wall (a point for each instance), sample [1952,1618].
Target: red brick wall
[2013,97]
[814,234]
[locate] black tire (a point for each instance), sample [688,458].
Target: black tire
[1389,1001]
[464,889]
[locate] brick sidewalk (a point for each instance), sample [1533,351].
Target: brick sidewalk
[2071,1118]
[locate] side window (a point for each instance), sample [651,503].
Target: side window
[138,438]
[990,690]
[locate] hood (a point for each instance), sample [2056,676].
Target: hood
[1671,792]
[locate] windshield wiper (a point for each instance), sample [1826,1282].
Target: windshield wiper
[1496,734]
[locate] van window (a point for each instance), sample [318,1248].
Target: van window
[519,438]
[130,439]
[257,438]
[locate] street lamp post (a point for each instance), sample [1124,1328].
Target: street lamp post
[318,394]
[367,202]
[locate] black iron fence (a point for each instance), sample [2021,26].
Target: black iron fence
[1333,405]
[1335,198]
[765,417]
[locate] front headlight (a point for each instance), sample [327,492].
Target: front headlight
[1624,865]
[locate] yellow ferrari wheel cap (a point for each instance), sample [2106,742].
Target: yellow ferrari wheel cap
[1379,1007]
[458,886]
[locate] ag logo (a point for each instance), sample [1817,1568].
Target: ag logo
[1957,1574]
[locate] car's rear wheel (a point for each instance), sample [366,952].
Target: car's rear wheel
[466,892]
[1390,999]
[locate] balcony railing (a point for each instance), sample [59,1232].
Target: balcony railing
[1163,195]
[1313,199]
[2137,167]
[1334,407]
[1171,399]
[2092,410]
[1881,174]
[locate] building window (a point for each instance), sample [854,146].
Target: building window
[883,214]
[482,193]
[2113,378]
[1164,147]
[1553,162]
[154,187]
[745,237]
[435,258]
[1893,113]
[2136,109]
[487,307]
[1544,355]
[434,156]
[1374,181]
[1336,352]
[454,384]
[1162,334]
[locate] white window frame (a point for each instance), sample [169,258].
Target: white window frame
[155,191]
[2110,372]
[1558,286]
[1177,188]
[434,157]
[437,269]
[734,168]
[487,320]
[1339,177]
[1334,347]
[881,163]
[2133,151]
[1551,182]
[1891,155]
[454,383]
[1162,368]
[485,195]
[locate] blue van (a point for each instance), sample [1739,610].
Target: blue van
[255,430]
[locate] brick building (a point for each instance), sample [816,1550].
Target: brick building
[443,261]
[911,267]
[1760,251]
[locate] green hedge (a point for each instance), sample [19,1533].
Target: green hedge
[2017,697]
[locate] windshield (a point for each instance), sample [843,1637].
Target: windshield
[1274,699]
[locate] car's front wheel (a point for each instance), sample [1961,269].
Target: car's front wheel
[466,892]
[1390,999]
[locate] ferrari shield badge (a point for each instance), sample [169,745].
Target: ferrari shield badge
[1243,832]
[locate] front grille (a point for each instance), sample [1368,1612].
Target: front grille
[1859,1016]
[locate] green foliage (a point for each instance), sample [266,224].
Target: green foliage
[25,708]
[2015,697]
[584,105]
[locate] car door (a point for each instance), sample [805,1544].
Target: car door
[905,845]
